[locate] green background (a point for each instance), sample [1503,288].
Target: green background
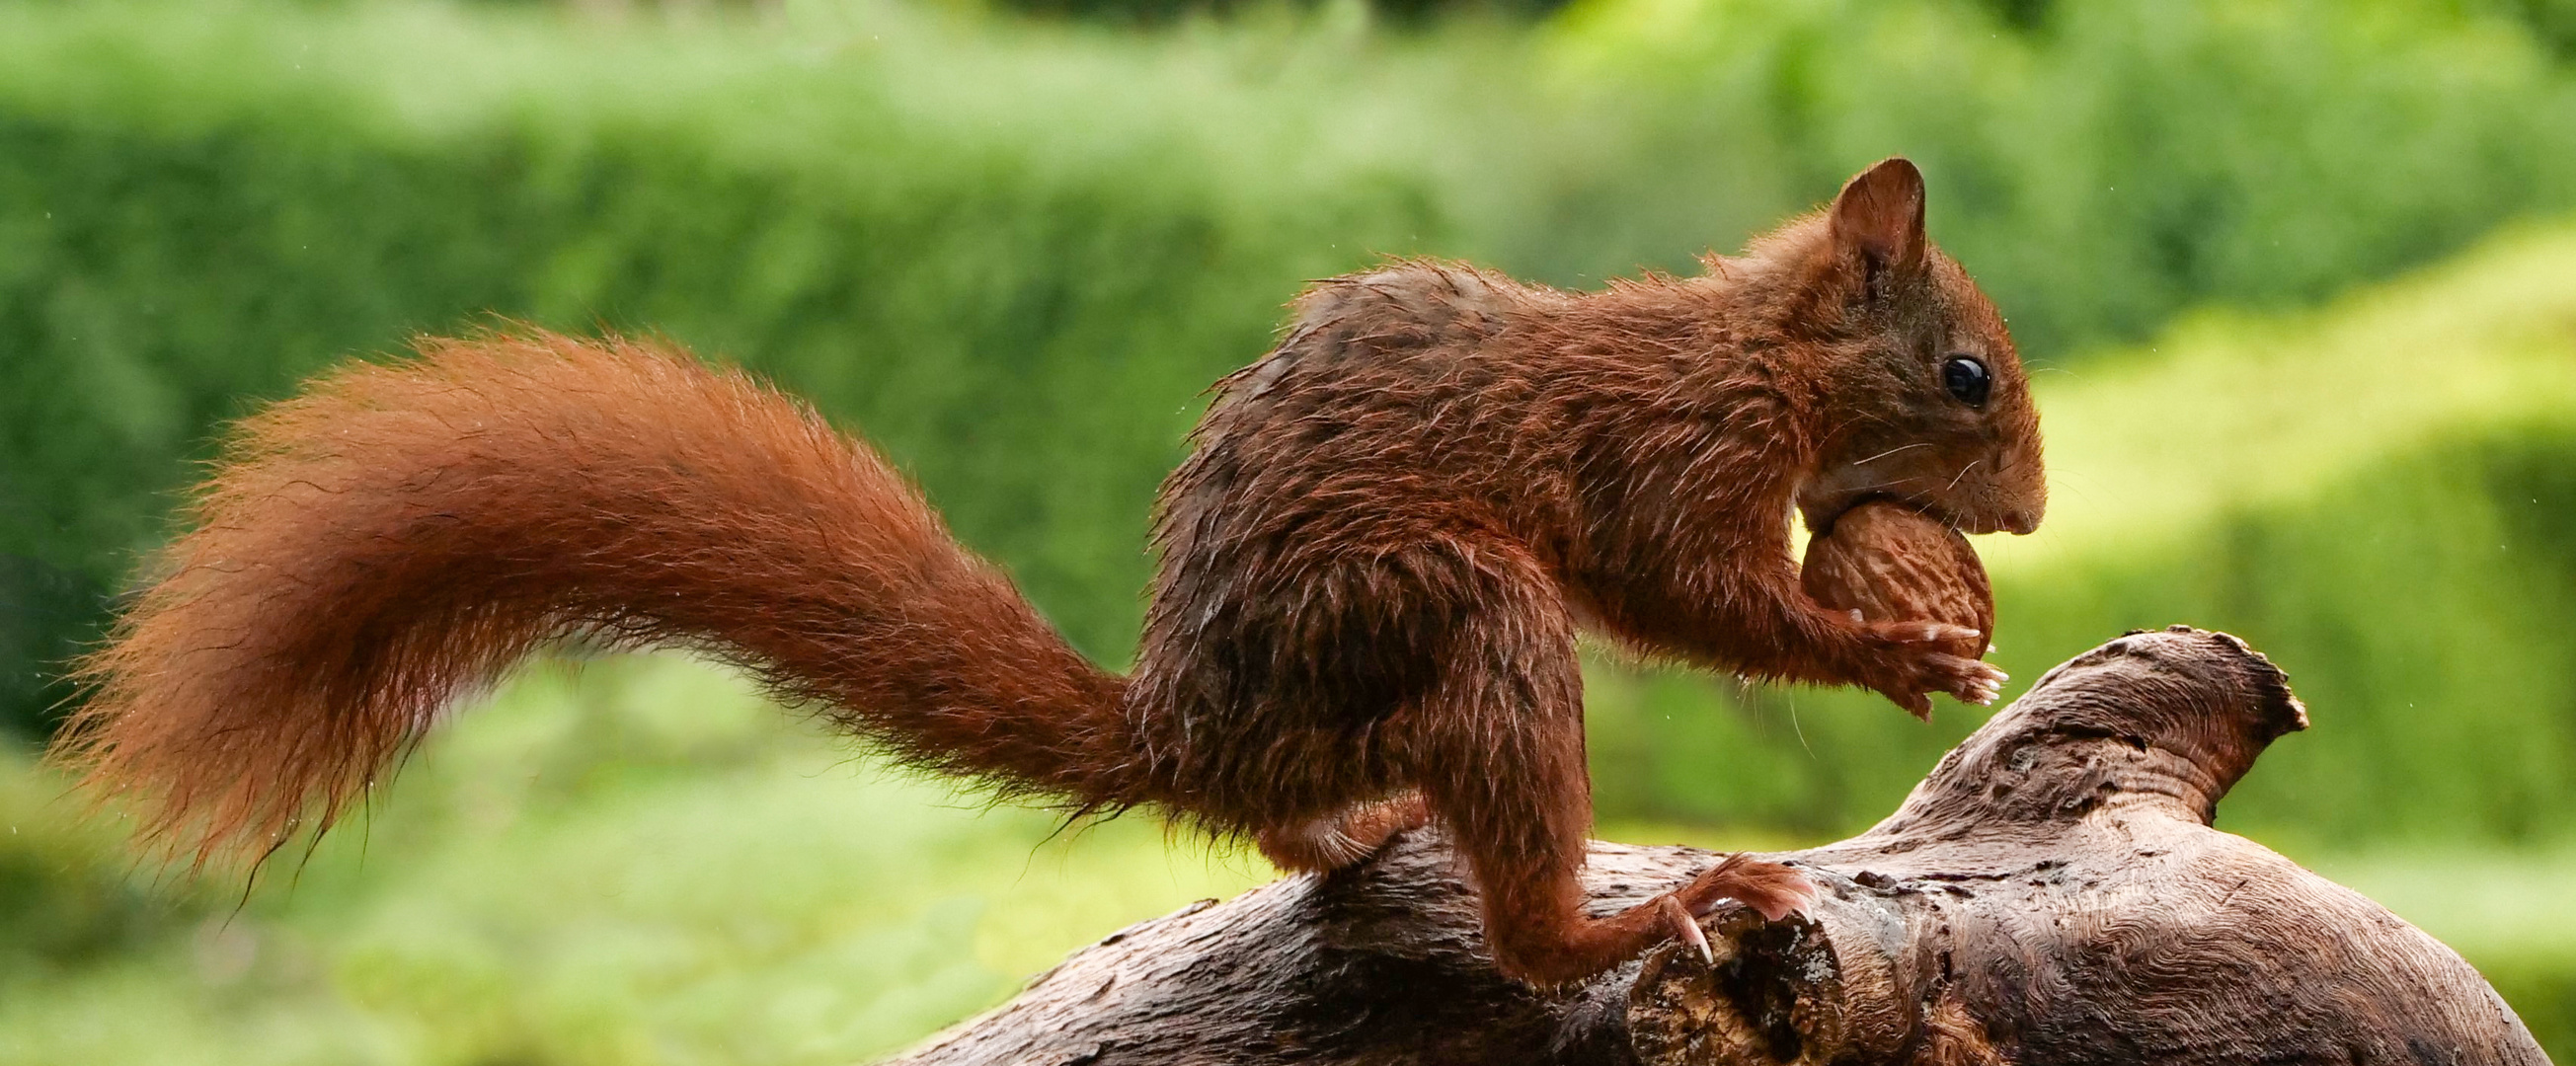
[2290,275]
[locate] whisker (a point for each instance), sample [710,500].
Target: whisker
[1891,451]
[1877,485]
[1963,472]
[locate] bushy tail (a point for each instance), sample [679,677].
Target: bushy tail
[398,536]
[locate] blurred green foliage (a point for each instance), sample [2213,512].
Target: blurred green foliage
[640,867]
[2098,173]
[1013,254]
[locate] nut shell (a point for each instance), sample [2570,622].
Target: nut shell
[1892,564]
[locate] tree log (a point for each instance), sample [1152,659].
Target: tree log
[2052,893]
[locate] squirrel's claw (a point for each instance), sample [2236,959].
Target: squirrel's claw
[1980,682]
[1685,928]
[1969,680]
[1775,890]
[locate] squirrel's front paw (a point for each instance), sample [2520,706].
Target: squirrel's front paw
[1919,665]
[1922,631]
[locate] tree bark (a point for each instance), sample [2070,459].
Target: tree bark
[2051,893]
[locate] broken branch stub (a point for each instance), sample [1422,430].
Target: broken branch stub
[2051,893]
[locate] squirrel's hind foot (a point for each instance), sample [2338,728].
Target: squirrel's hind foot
[1775,890]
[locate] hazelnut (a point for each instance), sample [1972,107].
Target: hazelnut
[1891,563]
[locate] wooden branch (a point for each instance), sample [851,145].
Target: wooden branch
[2052,893]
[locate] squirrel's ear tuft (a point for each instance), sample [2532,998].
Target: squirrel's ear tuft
[1878,218]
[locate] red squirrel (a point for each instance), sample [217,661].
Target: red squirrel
[1372,566]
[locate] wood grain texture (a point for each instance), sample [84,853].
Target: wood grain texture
[2052,893]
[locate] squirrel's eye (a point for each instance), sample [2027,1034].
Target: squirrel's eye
[1967,379]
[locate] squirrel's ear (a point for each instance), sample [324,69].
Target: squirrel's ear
[1878,218]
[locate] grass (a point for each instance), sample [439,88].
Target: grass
[644,865]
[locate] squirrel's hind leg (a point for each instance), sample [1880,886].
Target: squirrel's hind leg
[1344,837]
[1498,752]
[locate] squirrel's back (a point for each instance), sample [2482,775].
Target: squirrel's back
[1303,542]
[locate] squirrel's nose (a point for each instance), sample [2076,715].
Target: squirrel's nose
[2020,522]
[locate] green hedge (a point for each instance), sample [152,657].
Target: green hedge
[2099,170]
[1013,256]
[1019,303]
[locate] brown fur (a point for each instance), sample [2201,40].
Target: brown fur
[1373,565]
[397,536]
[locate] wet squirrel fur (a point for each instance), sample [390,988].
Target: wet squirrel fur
[1372,566]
